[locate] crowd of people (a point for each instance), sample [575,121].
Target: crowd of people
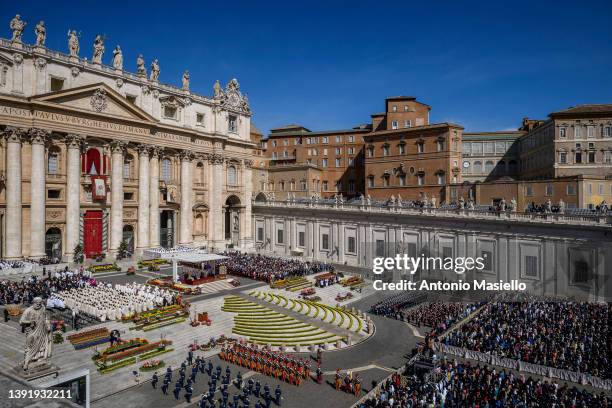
[456,384]
[392,306]
[266,268]
[104,301]
[24,291]
[566,335]
[437,315]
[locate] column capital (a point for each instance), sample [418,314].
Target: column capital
[39,136]
[118,146]
[215,158]
[156,151]
[74,141]
[144,149]
[186,155]
[14,134]
[248,163]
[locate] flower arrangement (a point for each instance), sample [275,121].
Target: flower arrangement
[58,338]
[104,268]
[152,262]
[152,365]
[58,325]
[132,348]
[89,338]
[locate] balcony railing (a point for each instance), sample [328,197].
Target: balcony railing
[233,187]
[604,220]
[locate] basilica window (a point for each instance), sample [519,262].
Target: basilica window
[3,74]
[53,163]
[166,170]
[200,119]
[57,84]
[370,181]
[231,176]
[170,112]
[127,168]
[232,124]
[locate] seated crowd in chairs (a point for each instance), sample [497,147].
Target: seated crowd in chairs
[454,384]
[566,335]
[393,305]
[267,268]
[438,315]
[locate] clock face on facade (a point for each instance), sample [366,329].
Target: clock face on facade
[466,164]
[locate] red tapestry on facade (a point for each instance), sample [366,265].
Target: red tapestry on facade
[98,187]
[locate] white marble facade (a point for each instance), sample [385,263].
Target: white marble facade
[173,162]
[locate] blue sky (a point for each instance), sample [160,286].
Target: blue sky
[330,64]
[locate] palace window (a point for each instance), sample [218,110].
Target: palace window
[394,124]
[421,147]
[407,123]
[279,236]
[338,162]
[274,143]
[370,151]
[166,170]
[591,157]
[607,156]
[325,242]
[325,186]
[590,131]
[402,148]
[562,157]
[302,238]
[325,140]
[338,139]
[231,176]
[562,132]
[385,180]
[303,186]
[351,245]
[324,162]
[351,150]
[394,108]
[607,131]
[571,189]
[351,139]
[232,124]
[370,181]
[531,265]
[421,179]
[338,185]
[338,150]
[549,190]
[489,166]
[577,132]
[578,158]
[441,179]
[385,150]
[402,179]
[440,145]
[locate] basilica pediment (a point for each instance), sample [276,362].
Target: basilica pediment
[97,98]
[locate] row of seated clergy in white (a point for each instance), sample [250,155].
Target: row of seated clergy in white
[106,302]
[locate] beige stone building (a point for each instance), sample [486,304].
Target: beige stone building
[94,154]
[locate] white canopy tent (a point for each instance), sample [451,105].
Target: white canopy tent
[194,256]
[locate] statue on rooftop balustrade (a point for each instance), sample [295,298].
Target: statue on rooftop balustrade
[117,58]
[17,25]
[140,66]
[186,81]
[73,43]
[41,34]
[98,50]
[155,70]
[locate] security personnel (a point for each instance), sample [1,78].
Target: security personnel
[210,367]
[177,390]
[266,389]
[154,380]
[164,387]
[251,385]
[203,403]
[257,388]
[239,380]
[188,393]
[278,393]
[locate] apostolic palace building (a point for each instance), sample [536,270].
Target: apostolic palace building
[93,154]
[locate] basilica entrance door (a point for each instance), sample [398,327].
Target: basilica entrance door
[92,233]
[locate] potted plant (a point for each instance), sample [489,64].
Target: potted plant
[78,256]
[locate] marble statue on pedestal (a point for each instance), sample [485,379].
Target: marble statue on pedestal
[155,70]
[140,66]
[41,34]
[73,43]
[37,325]
[186,81]
[217,90]
[17,25]
[117,58]
[98,50]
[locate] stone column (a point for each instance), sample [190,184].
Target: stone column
[74,144]
[38,138]
[246,233]
[13,136]
[216,202]
[186,220]
[143,197]
[154,198]
[116,234]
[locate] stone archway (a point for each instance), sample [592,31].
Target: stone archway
[53,243]
[232,219]
[128,237]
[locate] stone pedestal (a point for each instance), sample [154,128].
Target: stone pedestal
[35,372]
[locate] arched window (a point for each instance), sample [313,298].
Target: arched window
[53,161]
[166,170]
[231,175]
[127,167]
[94,162]
[489,166]
[477,166]
[199,172]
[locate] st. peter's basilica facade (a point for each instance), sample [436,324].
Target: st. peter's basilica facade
[94,155]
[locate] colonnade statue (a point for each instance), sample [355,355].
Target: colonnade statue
[37,352]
